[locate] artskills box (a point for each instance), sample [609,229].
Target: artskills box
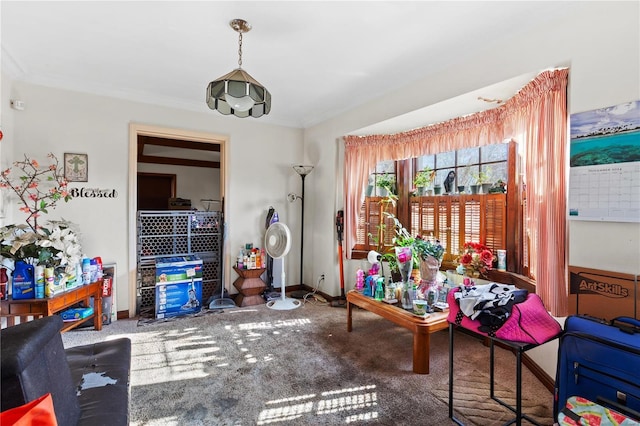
[178,286]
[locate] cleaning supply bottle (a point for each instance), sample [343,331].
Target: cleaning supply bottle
[23,281]
[39,273]
[379,293]
[240,259]
[49,282]
[4,284]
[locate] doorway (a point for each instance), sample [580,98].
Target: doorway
[140,135]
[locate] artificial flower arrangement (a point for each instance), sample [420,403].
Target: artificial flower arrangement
[476,259]
[422,246]
[38,190]
[53,246]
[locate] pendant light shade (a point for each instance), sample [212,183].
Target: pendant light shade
[238,93]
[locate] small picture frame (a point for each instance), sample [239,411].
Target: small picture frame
[76,167]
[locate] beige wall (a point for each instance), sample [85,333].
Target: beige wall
[601,46]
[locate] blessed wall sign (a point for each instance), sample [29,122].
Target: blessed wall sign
[93,193]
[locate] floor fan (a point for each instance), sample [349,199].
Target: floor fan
[277,243]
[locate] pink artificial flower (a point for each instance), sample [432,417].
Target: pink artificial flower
[35,164]
[487,257]
[33,185]
[34,197]
[466,259]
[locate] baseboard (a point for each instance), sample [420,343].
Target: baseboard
[539,373]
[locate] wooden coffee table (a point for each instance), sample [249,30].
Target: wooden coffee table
[420,327]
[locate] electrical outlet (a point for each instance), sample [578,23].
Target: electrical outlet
[321,277]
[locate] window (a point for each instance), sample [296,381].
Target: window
[464,212]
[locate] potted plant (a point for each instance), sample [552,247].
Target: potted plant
[423,180]
[387,184]
[484,179]
[500,187]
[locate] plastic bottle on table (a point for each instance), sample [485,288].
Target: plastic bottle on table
[240,259]
[4,284]
[86,270]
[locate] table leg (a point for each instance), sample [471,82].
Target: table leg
[97,309]
[421,342]
[349,316]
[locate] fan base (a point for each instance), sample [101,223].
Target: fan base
[284,304]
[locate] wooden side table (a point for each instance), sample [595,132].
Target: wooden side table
[37,308]
[250,286]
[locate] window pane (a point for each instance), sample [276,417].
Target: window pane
[468,175]
[468,156]
[499,172]
[497,152]
[441,176]
[446,159]
[425,161]
[386,167]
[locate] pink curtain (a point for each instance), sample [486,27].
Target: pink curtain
[536,117]
[540,122]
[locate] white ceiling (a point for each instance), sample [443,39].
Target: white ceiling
[317,58]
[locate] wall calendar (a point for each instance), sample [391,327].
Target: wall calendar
[604,178]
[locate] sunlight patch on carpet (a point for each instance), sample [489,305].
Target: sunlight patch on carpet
[269,325]
[355,402]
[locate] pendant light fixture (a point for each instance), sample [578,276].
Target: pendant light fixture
[238,93]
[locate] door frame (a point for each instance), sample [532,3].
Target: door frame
[136,129]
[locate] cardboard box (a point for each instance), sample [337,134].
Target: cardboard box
[603,294]
[178,289]
[178,268]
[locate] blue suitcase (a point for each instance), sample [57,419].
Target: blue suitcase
[600,361]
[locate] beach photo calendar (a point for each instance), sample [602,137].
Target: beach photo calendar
[604,177]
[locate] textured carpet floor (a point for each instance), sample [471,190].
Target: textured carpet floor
[255,366]
[471,401]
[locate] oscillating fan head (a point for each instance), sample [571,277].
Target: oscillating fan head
[277,240]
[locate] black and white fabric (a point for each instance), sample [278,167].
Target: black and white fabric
[490,304]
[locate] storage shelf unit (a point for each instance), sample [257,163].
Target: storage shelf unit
[177,233]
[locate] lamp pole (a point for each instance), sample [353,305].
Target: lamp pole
[302,229]
[303,171]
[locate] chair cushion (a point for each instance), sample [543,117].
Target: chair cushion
[101,375]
